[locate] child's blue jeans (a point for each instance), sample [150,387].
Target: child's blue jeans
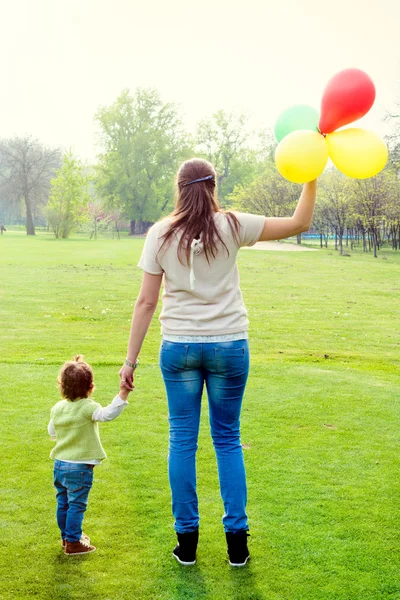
[223,367]
[73,483]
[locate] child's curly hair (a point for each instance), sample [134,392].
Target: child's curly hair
[76,379]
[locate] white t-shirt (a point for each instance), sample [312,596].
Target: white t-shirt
[201,298]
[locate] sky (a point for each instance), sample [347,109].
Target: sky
[63,59]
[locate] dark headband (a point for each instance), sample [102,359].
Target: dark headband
[197,180]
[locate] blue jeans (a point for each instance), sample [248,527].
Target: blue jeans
[73,483]
[223,367]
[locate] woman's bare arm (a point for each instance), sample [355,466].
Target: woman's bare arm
[277,228]
[143,312]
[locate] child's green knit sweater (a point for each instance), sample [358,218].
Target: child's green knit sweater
[77,436]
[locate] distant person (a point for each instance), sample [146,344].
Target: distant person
[74,424]
[204,327]
[2,228]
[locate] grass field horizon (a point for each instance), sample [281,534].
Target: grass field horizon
[320,426]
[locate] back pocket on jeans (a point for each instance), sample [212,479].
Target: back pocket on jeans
[230,361]
[73,480]
[173,356]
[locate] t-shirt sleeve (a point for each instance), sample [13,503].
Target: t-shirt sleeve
[149,259]
[251,227]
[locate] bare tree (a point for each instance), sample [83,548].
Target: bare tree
[392,139]
[26,169]
[336,202]
[370,199]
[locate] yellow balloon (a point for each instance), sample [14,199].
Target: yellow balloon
[356,152]
[301,156]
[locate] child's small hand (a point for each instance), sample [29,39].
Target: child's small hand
[123,392]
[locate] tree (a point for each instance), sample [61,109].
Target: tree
[392,207]
[143,143]
[26,169]
[369,196]
[100,220]
[269,194]
[221,140]
[336,202]
[393,139]
[68,197]
[321,222]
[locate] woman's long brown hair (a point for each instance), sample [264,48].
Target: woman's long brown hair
[195,206]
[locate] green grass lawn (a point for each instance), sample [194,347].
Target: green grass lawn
[320,423]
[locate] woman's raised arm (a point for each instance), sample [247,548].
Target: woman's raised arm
[278,228]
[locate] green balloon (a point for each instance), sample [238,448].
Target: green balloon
[296,117]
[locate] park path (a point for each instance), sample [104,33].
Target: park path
[280,246]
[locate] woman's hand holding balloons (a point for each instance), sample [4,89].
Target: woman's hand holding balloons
[306,141]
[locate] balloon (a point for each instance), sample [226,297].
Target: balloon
[348,96]
[294,118]
[301,156]
[357,153]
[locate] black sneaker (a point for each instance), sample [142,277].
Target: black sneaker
[237,548]
[185,550]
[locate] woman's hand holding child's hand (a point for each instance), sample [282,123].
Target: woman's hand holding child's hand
[126,375]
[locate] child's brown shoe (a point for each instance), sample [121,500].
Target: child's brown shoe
[84,538]
[81,547]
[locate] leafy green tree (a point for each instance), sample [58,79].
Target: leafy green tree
[222,140]
[268,194]
[143,142]
[243,169]
[68,197]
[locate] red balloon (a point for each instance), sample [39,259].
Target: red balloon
[348,96]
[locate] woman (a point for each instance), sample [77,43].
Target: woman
[204,327]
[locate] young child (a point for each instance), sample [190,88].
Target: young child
[74,424]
